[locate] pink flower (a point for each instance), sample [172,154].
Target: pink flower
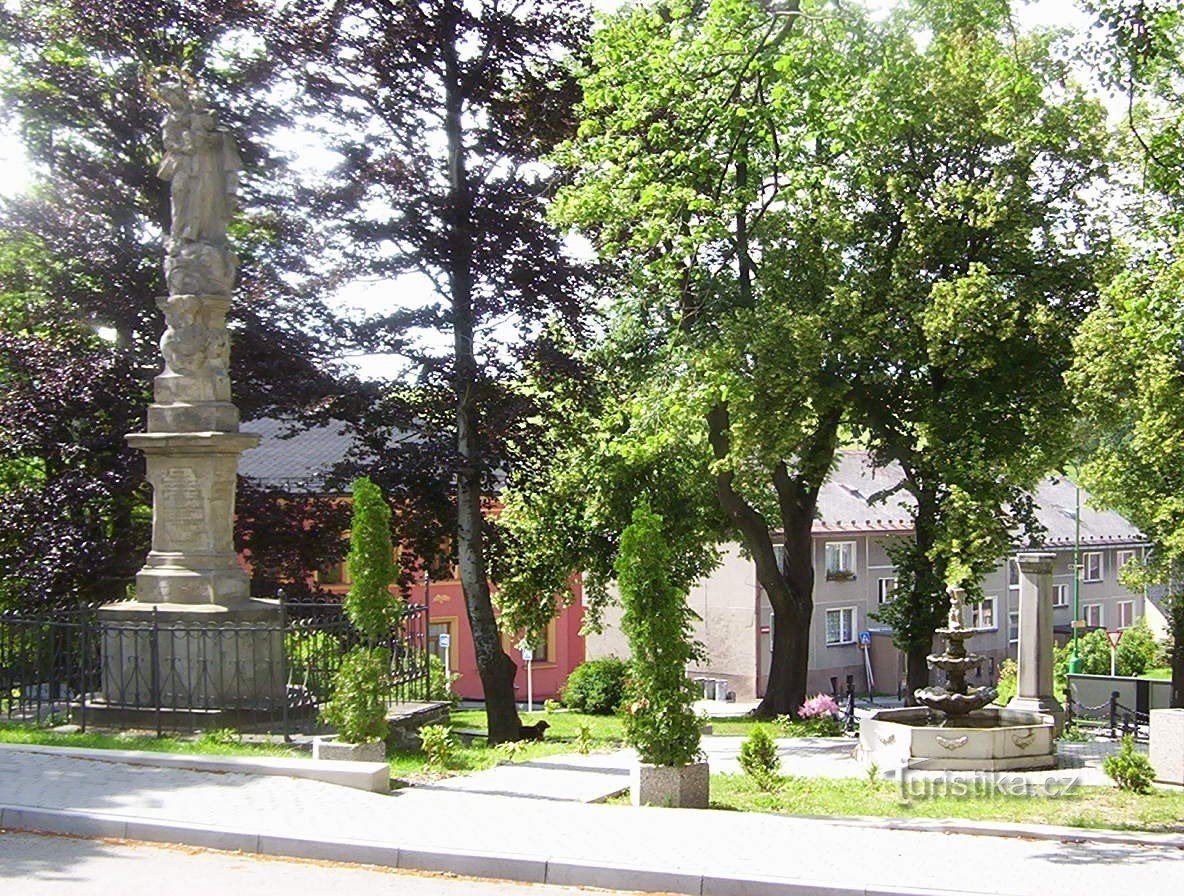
[817,706]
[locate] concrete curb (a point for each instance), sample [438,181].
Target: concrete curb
[372,776]
[499,866]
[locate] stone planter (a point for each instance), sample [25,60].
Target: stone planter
[675,786]
[329,747]
[1167,745]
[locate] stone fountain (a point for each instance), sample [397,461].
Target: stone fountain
[954,728]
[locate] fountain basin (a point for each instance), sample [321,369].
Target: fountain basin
[992,740]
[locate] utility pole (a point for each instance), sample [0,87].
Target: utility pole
[1075,661]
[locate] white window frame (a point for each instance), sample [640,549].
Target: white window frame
[1129,605]
[826,626]
[839,573]
[1101,614]
[1013,627]
[883,589]
[1085,565]
[1122,558]
[1062,590]
[976,613]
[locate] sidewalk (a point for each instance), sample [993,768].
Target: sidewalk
[707,853]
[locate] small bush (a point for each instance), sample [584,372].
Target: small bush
[819,706]
[584,740]
[1130,769]
[1006,688]
[1075,734]
[439,689]
[437,745]
[550,706]
[358,706]
[596,686]
[758,758]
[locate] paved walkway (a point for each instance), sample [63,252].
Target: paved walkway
[706,853]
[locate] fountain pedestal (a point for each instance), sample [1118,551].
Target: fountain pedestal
[1034,676]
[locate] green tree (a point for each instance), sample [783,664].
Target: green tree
[660,720]
[1127,374]
[370,604]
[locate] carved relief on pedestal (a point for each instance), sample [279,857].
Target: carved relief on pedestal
[194,341]
[192,268]
[181,507]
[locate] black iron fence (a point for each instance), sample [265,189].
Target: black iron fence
[157,670]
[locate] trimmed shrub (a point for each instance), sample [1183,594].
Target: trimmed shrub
[596,686]
[358,706]
[437,745]
[758,758]
[1130,769]
[440,689]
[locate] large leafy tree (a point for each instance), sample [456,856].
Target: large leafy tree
[976,256]
[82,254]
[816,220]
[1128,373]
[438,112]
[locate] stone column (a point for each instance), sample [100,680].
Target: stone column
[1034,691]
[160,649]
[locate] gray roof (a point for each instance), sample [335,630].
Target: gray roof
[858,498]
[299,459]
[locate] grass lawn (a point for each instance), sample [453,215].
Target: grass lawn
[1085,807]
[220,743]
[1160,672]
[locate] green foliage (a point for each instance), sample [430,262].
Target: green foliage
[758,758]
[551,705]
[510,750]
[660,722]
[584,740]
[439,685]
[1073,733]
[370,604]
[1130,769]
[312,658]
[1137,650]
[819,726]
[1008,682]
[438,746]
[596,686]
[358,706]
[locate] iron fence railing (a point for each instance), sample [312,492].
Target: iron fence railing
[164,671]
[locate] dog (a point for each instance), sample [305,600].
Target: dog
[532,732]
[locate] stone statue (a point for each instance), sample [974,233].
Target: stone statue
[200,161]
[957,606]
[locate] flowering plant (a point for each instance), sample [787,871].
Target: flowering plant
[817,706]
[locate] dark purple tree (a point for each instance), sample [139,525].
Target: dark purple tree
[439,111]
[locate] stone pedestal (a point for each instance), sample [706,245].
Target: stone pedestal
[1034,685]
[1166,750]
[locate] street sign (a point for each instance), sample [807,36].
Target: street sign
[865,639]
[527,654]
[444,639]
[1078,623]
[1114,636]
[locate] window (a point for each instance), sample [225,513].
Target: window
[884,589]
[982,614]
[333,575]
[1013,627]
[436,628]
[1013,574]
[1060,595]
[1126,613]
[840,560]
[840,626]
[1092,614]
[1091,566]
[1122,558]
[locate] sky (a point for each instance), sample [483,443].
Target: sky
[366,298]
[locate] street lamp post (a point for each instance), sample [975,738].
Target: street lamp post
[1075,661]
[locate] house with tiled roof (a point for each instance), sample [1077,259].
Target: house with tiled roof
[860,513]
[303,460]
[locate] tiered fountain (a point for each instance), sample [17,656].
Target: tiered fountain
[952,729]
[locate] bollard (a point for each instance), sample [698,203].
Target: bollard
[850,726]
[1114,714]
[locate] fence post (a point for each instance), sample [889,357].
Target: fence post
[850,726]
[84,675]
[284,667]
[1114,714]
[154,670]
[1068,706]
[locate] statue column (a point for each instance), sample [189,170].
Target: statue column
[192,447]
[1034,690]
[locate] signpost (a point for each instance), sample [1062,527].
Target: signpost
[444,640]
[1114,637]
[865,644]
[528,658]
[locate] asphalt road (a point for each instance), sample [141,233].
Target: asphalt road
[42,865]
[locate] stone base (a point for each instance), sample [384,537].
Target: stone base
[674,786]
[329,747]
[1166,751]
[187,658]
[1045,706]
[405,720]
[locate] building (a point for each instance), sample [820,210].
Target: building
[304,462]
[854,576]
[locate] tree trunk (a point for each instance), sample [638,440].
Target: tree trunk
[495,668]
[916,672]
